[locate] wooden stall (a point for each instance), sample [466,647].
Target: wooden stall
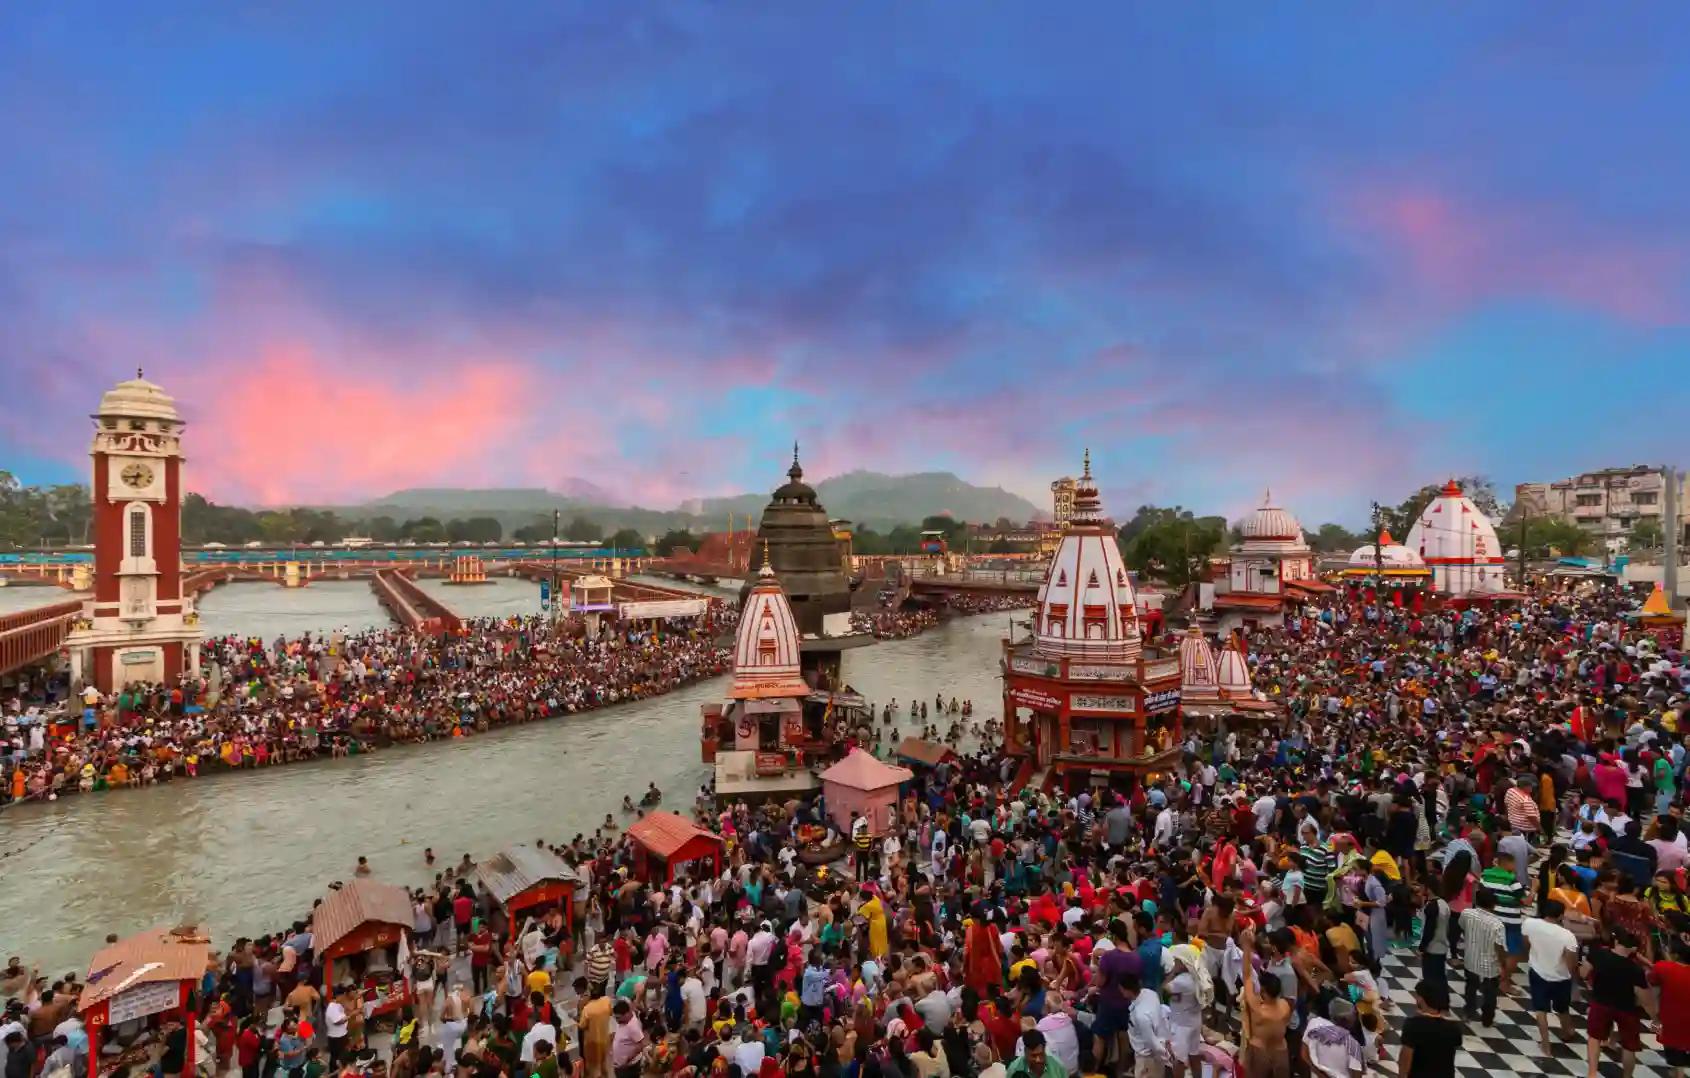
[361,933]
[664,841]
[146,980]
[528,880]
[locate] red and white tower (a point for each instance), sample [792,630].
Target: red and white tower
[138,626]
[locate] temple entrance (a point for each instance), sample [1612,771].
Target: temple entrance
[1044,737]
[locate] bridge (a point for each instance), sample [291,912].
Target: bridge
[29,636]
[410,606]
[1006,582]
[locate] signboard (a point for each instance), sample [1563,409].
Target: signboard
[145,999]
[1101,703]
[771,763]
[1097,672]
[664,608]
[1035,699]
[1041,667]
[1166,700]
[545,595]
[136,658]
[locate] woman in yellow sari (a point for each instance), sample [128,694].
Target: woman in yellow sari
[875,914]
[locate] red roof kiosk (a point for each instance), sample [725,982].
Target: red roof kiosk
[664,842]
[362,918]
[150,975]
[529,878]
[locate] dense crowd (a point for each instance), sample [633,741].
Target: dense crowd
[1485,790]
[897,624]
[338,694]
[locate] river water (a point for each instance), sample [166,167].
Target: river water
[246,852]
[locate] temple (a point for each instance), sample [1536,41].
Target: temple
[1086,702]
[1267,573]
[1389,569]
[1214,690]
[1457,544]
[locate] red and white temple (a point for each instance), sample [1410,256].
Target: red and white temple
[1389,569]
[1085,701]
[1457,543]
[1215,688]
[1268,573]
[759,739]
[138,626]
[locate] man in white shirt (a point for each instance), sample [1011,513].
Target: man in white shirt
[539,1031]
[1147,1031]
[1163,836]
[334,1027]
[1551,957]
[694,1001]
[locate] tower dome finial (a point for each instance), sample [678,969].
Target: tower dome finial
[796,472]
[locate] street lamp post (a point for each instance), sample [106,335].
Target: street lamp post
[557,515]
[1378,553]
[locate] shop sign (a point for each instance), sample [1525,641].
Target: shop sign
[1035,699]
[1040,667]
[1078,702]
[136,658]
[1096,672]
[145,999]
[1166,700]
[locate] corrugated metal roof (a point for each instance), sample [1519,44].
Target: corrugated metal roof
[514,870]
[159,954]
[664,832]
[358,903]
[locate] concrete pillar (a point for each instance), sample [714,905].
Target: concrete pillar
[290,575]
[194,658]
[1669,536]
[78,657]
[82,577]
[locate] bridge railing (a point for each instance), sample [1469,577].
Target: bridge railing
[28,636]
[416,608]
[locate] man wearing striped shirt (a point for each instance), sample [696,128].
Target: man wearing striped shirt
[1483,949]
[1317,858]
[1503,883]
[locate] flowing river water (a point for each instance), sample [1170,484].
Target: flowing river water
[246,852]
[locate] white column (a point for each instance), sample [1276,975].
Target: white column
[77,658]
[194,658]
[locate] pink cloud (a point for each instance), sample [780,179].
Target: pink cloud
[292,426]
[1465,251]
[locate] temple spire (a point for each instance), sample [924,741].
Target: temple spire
[796,472]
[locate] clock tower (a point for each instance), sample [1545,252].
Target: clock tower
[138,626]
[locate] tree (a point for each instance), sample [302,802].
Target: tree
[475,530]
[627,540]
[1548,537]
[674,540]
[539,531]
[383,529]
[1003,524]
[1645,534]
[1336,537]
[424,530]
[582,530]
[1176,549]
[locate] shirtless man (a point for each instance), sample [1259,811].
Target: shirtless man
[1266,1017]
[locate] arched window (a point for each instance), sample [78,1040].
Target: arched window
[138,532]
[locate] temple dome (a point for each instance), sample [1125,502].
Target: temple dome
[1458,544]
[804,552]
[1086,605]
[1199,682]
[1270,524]
[766,649]
[137,398]
[1394,555]
[1233,672]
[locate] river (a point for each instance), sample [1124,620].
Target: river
[245,852]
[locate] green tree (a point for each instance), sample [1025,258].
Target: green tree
[626,540]
[539,531]
[1398,519]
[474,530]
[674,540]
[1548,537]
[383,529]
[424,530]
[582,530]
[1335,537]
[1645,534]
[1176,549]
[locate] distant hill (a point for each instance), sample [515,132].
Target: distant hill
[867,498]
[883,501]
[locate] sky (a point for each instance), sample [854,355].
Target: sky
[1335,250]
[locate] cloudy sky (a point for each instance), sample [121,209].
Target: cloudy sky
[1336,249]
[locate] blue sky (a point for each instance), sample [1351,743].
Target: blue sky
[1333,250]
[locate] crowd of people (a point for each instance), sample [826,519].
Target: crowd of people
[1449,798]
[342,694]
[891,623]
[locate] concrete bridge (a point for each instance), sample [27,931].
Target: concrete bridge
[1009,582]
[29,636]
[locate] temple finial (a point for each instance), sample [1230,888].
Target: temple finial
[138,374]
[1086,471]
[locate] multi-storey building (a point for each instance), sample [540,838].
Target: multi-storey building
[1062,501]
[1608,502]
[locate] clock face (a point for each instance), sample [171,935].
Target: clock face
[138,476]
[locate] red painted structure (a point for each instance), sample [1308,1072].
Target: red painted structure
[663,841]
[529,878]
[148,975]
[29,636]
[362,916]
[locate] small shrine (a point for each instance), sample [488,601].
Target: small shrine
[1389,570]
[1085,700]
[590,598]
[467,569]
[1268,573]
[1657,618]
[1214,689]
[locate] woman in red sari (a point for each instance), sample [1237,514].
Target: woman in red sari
[982,957]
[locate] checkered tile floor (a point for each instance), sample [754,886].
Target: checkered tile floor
[1510,1046]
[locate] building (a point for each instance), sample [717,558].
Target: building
[138,626]
[1390,568]
[1608,502]
[1085,700]
[1457,543]
[1062,501]
[1268,572]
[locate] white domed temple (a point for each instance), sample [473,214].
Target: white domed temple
[1458,546]
[1268,572]
[1387,568]
[1086,701]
